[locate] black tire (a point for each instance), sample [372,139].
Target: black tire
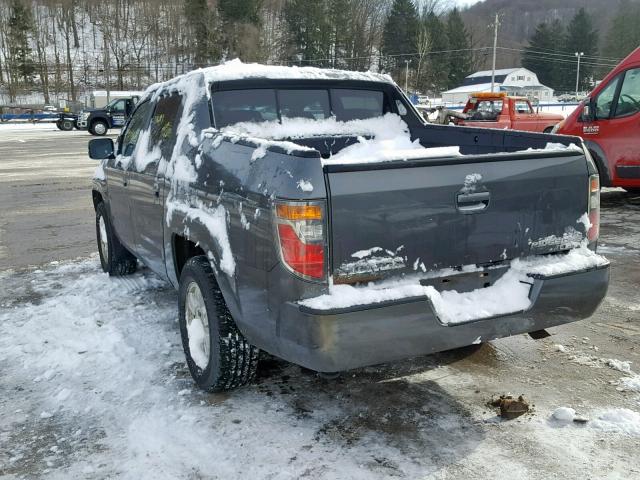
[59,125]
[98,127]
[66,125]
[232,361]
[548,130]
[116,260]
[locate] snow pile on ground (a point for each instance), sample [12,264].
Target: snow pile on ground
[564,414]
[618,420]
[509,294]
[6,127]
[94,385]
[385,138]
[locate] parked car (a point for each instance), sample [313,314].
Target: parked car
[313,214]
[99,120]
[499,110]
[609,121]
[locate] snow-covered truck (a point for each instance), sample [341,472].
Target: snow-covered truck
[314,215]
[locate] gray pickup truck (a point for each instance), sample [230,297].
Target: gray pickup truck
[314,215]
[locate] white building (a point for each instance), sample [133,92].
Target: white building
[515,81]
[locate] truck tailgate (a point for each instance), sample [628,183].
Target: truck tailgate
[395,217]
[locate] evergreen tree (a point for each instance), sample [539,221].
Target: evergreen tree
[538,56]
[399,37]
[308,39]
[581,37]
[623,35]
[20,29]
[437,73]
[204,39]
[460,63]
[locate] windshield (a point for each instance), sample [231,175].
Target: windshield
[265,104]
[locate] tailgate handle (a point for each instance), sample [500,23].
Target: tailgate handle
[472,202]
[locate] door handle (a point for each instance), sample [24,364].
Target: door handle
[472,202]
[156,190]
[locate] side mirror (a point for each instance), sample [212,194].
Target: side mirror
[587,111]
[101,148]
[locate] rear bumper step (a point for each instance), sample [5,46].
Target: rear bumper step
[335,340]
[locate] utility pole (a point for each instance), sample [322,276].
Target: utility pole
[107,69]
[496,24]
[406,77]
[579,55]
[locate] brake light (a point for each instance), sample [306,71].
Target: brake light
[301,238]
[594,208]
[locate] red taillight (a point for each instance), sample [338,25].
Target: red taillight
[594,208]
[300,229]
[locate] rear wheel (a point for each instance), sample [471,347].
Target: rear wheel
[218,356]
[114,258]
[98,127]
[66,125]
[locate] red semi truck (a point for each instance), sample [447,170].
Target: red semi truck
[499,110]
[609,122]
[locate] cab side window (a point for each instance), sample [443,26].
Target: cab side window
[604,101]
[163,124]
[137,123]
[522,107]
[119,106]
[629,97]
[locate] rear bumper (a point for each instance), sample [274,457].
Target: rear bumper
[336,340]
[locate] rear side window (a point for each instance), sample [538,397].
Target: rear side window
[234,106]
[136,124]
[356,104]
[163,124]
[629,97]
[313,104]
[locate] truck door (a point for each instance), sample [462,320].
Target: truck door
[119,177]
[147,183]
[524,118]
[616,127]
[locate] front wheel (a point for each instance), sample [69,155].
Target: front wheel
[548,130]
[98,127]
[114,258]
[218,356]
[66,125]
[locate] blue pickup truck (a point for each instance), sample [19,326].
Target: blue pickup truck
[314,215]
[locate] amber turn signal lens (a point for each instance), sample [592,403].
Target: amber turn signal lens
[299,212]
[595,183]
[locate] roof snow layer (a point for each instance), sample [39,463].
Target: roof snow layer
[237,70]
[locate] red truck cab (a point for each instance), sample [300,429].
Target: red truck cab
[609,122]
[499,110]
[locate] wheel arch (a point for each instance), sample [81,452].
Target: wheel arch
[601,162]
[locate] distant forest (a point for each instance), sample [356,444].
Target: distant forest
[54,49]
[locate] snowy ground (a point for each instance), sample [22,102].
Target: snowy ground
[94,383]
